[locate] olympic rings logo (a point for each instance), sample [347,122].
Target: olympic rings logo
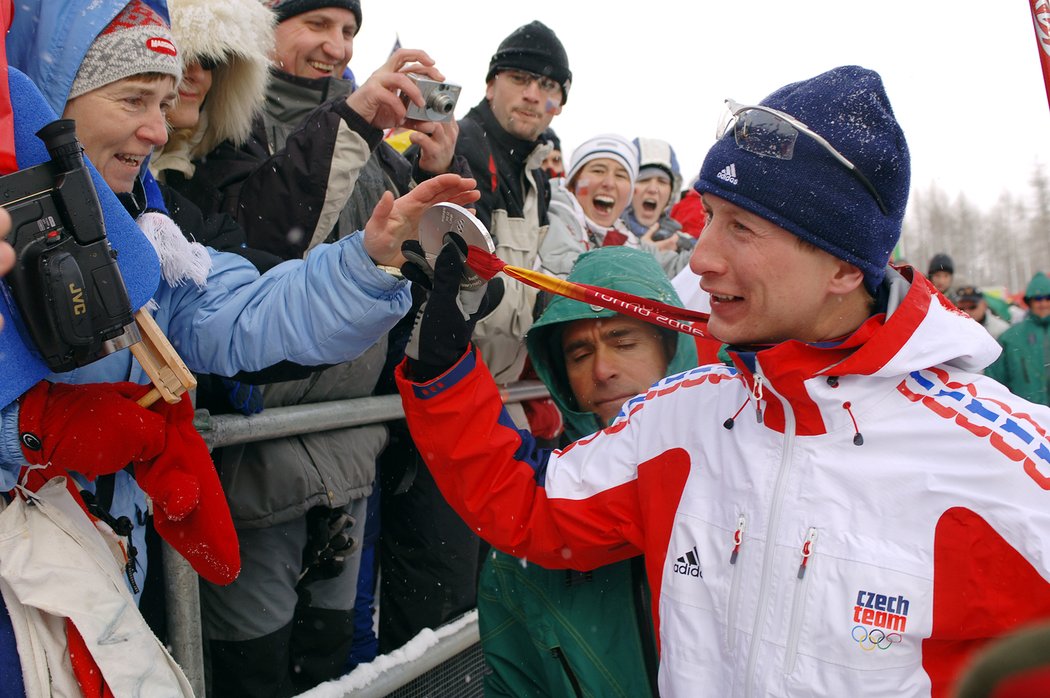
[876,637]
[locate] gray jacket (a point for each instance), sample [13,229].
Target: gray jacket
[270,482]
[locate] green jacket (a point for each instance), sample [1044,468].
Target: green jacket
[1022,367]
[560,632]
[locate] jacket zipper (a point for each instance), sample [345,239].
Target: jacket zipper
[558,654]
[734,584]
[798,605]
[767,558]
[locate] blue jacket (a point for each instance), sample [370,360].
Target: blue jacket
[327,309]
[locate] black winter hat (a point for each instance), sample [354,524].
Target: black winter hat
[941,262]
[284,9]
[533,47]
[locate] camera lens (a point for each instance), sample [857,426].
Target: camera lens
[441,103]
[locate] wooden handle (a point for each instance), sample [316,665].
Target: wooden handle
[161,362]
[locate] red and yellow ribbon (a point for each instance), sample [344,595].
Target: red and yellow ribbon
[691,322]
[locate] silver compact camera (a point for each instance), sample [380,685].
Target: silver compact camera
[439,99]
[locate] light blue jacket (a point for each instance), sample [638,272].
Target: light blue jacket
[324,310]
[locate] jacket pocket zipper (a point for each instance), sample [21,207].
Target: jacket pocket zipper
[798,605]
[734,583]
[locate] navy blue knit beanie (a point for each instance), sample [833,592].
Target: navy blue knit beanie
[813,195]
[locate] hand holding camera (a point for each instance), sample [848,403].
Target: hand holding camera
[380,99]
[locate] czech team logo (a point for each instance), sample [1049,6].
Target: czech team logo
[880,620]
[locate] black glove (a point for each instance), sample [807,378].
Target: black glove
[458,298]
[328,544]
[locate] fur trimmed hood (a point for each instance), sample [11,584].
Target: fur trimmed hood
[239,36]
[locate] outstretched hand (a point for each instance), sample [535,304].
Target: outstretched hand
[394,221]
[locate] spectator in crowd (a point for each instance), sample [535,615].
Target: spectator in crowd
[689,211]
[553,164]
[216,309]
[287,623]
[658,188]
[599,641]
[226,64]
[940,272]
[586,210]
[1022,367]
[429,558]
[971,301]
[854,394]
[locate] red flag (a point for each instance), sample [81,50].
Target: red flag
[8,163]
[1041,22]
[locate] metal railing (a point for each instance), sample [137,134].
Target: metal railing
[228,429]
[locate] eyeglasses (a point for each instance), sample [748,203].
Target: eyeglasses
[521,78]
[1037,298]
[771,133]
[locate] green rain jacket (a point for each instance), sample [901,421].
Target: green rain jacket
[1022,367]
[561,632]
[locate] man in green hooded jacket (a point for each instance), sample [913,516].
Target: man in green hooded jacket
[561,632]
[1022,367]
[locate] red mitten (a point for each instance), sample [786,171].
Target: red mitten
[189,507]
[94,429]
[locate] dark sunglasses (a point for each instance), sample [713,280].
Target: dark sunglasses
[1037,298]
[771,133]
[208,63]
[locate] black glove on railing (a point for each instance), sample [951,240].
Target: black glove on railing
[457,300]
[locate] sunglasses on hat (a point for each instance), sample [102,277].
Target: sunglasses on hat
[771,133]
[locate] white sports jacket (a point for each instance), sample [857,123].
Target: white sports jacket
[824,521]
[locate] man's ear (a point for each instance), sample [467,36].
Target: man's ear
[845,279]
[490,89]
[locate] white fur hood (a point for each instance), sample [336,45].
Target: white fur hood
[239,35]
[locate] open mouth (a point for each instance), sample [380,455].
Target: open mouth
[603,204]
[723,298]
[649,205]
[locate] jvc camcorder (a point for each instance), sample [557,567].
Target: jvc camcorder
[71,300]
